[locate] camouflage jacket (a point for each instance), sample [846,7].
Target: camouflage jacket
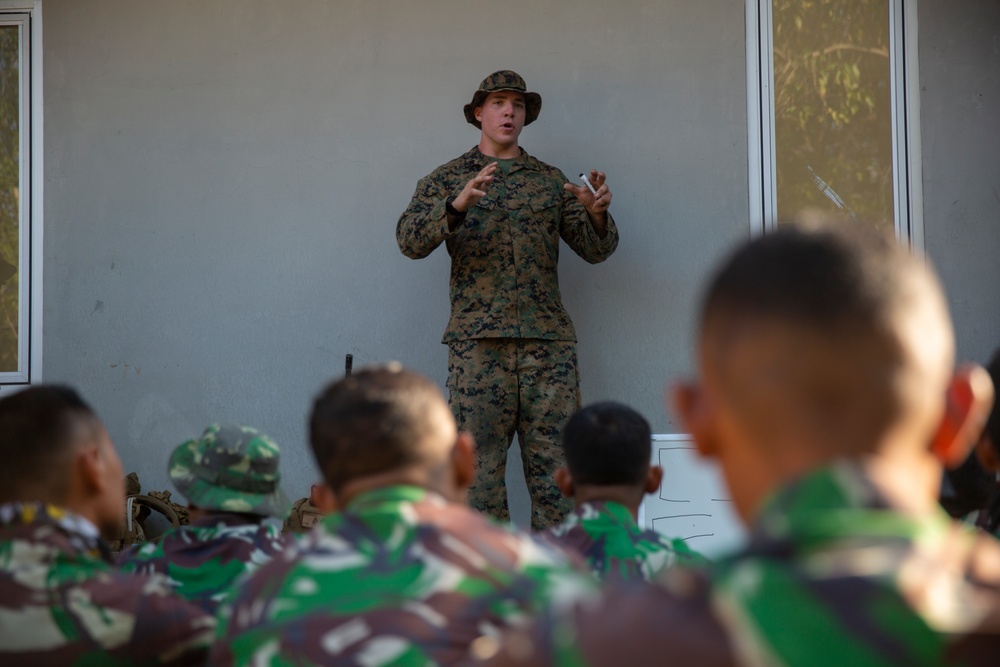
[834,574]
[614,545]
[203,560]
[504,278]
[62,602]
[398,577]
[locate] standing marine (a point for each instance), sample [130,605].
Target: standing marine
[512,365]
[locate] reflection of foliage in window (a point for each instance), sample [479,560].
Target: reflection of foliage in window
[9,196]
[832,107]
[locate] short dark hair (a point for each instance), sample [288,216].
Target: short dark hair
[607,444]
[38,428]
[371,422]
[993,422]
[823,276]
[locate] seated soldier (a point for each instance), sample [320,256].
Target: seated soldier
[607,473]
[826,356]
[402,573]
[988,453]
[231,478]
[61,600]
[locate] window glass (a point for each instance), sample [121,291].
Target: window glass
[10,196]
[833,109]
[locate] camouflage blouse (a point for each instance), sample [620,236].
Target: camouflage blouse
[203,560]
[614,545]
[398,577]
[504,256]
[62,603]
[835,574]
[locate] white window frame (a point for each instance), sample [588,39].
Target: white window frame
[28,15]
[905,98]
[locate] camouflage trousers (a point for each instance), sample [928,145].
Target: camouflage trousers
[501,386]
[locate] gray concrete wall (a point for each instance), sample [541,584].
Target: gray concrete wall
[223,181]
[960,138]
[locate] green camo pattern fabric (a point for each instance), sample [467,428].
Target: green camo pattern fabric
[834,575]
[398,577]
[504,256]
[614,545]
[231,468]
[62,602]
[203,560]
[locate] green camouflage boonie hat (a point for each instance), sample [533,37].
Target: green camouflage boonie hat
[505,79]
[230,468]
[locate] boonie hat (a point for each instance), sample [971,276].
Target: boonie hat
[231,468]
[505,79]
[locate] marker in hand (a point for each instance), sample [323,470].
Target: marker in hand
[590,186]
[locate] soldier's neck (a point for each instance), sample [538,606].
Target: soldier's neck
[491,149]
[629,496]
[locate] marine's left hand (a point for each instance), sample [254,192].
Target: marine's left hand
[596,205]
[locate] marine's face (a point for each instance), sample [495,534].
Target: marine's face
[502,117]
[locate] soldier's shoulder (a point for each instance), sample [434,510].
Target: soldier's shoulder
[545,168]
[460,165]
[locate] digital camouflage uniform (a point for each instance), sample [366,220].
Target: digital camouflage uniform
[512,347]
[63,603]
[397,577]
[232,474]
[834,575]
[204,559]
[614,545]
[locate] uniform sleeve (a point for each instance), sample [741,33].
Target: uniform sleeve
[424,225]
[576,230]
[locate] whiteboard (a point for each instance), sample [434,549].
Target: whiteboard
[692,502]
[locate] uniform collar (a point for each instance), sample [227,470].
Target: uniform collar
[609,510]
[837,501]
[56,526]
[392,495]
[476,160]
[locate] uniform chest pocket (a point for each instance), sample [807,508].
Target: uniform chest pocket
[543,201]
[536,197]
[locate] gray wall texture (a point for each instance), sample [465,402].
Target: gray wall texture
[960,140]
[223,179]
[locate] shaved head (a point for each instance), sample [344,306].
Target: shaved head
[832,329]
[40,428]
[380,420]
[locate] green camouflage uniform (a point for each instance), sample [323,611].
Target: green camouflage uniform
[397,577]
[834,575]
[232,474]
[512,346]
[62,602]
[231,468]
[614,545]
[202,561]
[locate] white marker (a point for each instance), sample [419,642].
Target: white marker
[586,181]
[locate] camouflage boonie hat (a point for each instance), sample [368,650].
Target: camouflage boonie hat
[230,469]
[505,79]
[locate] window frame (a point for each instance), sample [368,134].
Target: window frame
[905,98]
[28,14]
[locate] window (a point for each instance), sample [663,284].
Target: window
[20,196]
[832,121]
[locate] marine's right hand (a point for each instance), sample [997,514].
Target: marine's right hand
[475,189]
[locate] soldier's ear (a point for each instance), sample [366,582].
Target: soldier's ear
[463,460]
[695,412]
[321,497]
[653,478]
[89,467]
[564,480]
[967,406]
